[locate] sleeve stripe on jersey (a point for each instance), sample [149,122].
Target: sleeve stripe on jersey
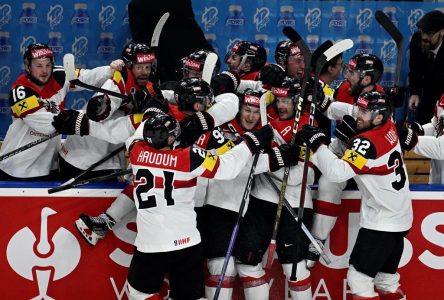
[26,106]
[136,119]
[210,161]
[180,184]
[326,208]
[227,146]
[354,158]
[118,80]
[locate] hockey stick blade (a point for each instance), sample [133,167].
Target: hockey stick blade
[291,34]
[69,66]
[158,29]
[396,35]
[315,57]
[209,65]
[338,48]
[388,25]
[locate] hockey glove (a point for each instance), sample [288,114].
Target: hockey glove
[313,254]
[285,155]
[417,128]
[138,99]
[98,108]
[156,101]
[313,137]
[396,95]
[272,75]
[71,122]
[192,127]
[407,138]
[225,82]
[346,129]
[260,139]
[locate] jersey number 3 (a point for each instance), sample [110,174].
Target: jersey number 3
[395,161]
[148,183]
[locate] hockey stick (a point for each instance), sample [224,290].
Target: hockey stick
[158,30]
[245,197]
[396,35]
[323,54]
[208,68]
[27,146]
[303,227]
[295,38]
[92,167]
[70,71]
[86,181]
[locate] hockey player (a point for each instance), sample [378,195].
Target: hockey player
[223,200]
[192,95]
[362,72]
[246,59]
[374,159]
[134,81]
[35,98]
[257,227]
[167,240]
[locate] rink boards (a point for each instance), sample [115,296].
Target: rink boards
[44,256]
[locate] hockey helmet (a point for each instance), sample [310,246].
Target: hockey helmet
[193,65]
[377,103]
[37,50]
[193,90]
[159,128]
[366,64]
[138,53]
[290,87]
[284,50]
[250,53]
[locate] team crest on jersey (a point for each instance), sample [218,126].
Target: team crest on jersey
[313,18]
[354,158]
[364,19]
[51,106]
[261,18]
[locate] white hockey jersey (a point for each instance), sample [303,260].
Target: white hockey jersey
[374,159]
[33,111]
[164,187]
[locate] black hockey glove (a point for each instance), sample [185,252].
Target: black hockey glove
[272,75]
[192,127]
[396,95]
[313,254]
[71,122]
[407,137]
[98,108]
[225,82]
[313,137]
[417,128]
[259,139]
[285,155]
[322,101]
[346,129]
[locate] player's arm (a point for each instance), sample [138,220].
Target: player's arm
[430,147]
[27,105]
[225,108]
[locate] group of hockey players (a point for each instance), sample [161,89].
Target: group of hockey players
[191,145]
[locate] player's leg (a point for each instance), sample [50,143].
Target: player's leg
[292,245]
[387,281]
[145,275]
[186,274]
[252,242]
[218,229]
[95,228]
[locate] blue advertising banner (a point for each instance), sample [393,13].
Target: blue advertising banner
[95,32]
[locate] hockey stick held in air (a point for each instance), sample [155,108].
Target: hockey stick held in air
[245,197]
[295,38]
[158,30]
